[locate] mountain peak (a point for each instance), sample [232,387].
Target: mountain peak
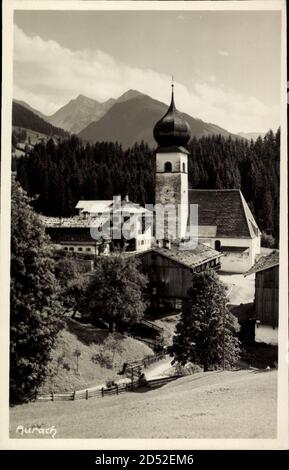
[84,99]
[129,95]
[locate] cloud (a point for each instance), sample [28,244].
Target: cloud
[223,53]
[47,76]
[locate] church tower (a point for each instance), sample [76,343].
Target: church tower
[172,133]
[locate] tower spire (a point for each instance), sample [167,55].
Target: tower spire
[172,130]
[172,99]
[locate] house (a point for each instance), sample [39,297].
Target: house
[225,222]
[102,226]
[266,303]
[170,271]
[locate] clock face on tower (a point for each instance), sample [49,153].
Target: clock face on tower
[167,194]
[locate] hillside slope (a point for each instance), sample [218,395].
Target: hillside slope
[25,118]
[133,120]
[239,404]
[30,108]
[101,357]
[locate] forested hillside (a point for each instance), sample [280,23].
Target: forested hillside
[25,118]
[62,174]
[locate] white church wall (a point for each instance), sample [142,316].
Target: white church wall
[266,334]
[256,249]
[236,261]
[233,261]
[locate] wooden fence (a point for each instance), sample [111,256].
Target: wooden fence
[146,361]
[132,369]
[117,389]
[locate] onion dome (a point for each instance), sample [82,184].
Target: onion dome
[172,130]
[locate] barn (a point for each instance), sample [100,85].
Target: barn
[170,271]
[266,304]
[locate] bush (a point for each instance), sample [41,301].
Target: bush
[110,383]
[103,358]
[267,240]
[187,369]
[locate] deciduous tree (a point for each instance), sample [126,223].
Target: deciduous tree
[115,293]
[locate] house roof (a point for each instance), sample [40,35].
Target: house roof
[93,206]
[227,210]
[235,249]
[72,222]
[265,262]
[98,206]
[189,258]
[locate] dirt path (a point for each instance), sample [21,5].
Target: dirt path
[159,369]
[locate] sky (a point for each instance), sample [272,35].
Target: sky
[226,64]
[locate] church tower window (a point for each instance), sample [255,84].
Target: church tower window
[168,167]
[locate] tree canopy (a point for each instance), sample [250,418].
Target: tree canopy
[115,292]
[34,301]
[205,334]
[58,175]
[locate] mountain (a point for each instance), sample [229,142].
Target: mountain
[25,118]
[82,111]
[35,111]
[251,135]
[132,118]
[78,113]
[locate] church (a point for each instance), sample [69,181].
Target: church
[226,234]
[225,222]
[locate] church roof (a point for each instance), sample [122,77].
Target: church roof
[265,262]
[172,130]
[225,212]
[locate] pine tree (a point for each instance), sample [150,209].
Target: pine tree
[206,331]
[33,295]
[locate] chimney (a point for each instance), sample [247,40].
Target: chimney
[126,198]
[167,244]
[159,243]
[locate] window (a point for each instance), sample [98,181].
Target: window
[168,167]
[65,248]
[218,245]
[79,249]
[184,167]
[88,249]
[71,248]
